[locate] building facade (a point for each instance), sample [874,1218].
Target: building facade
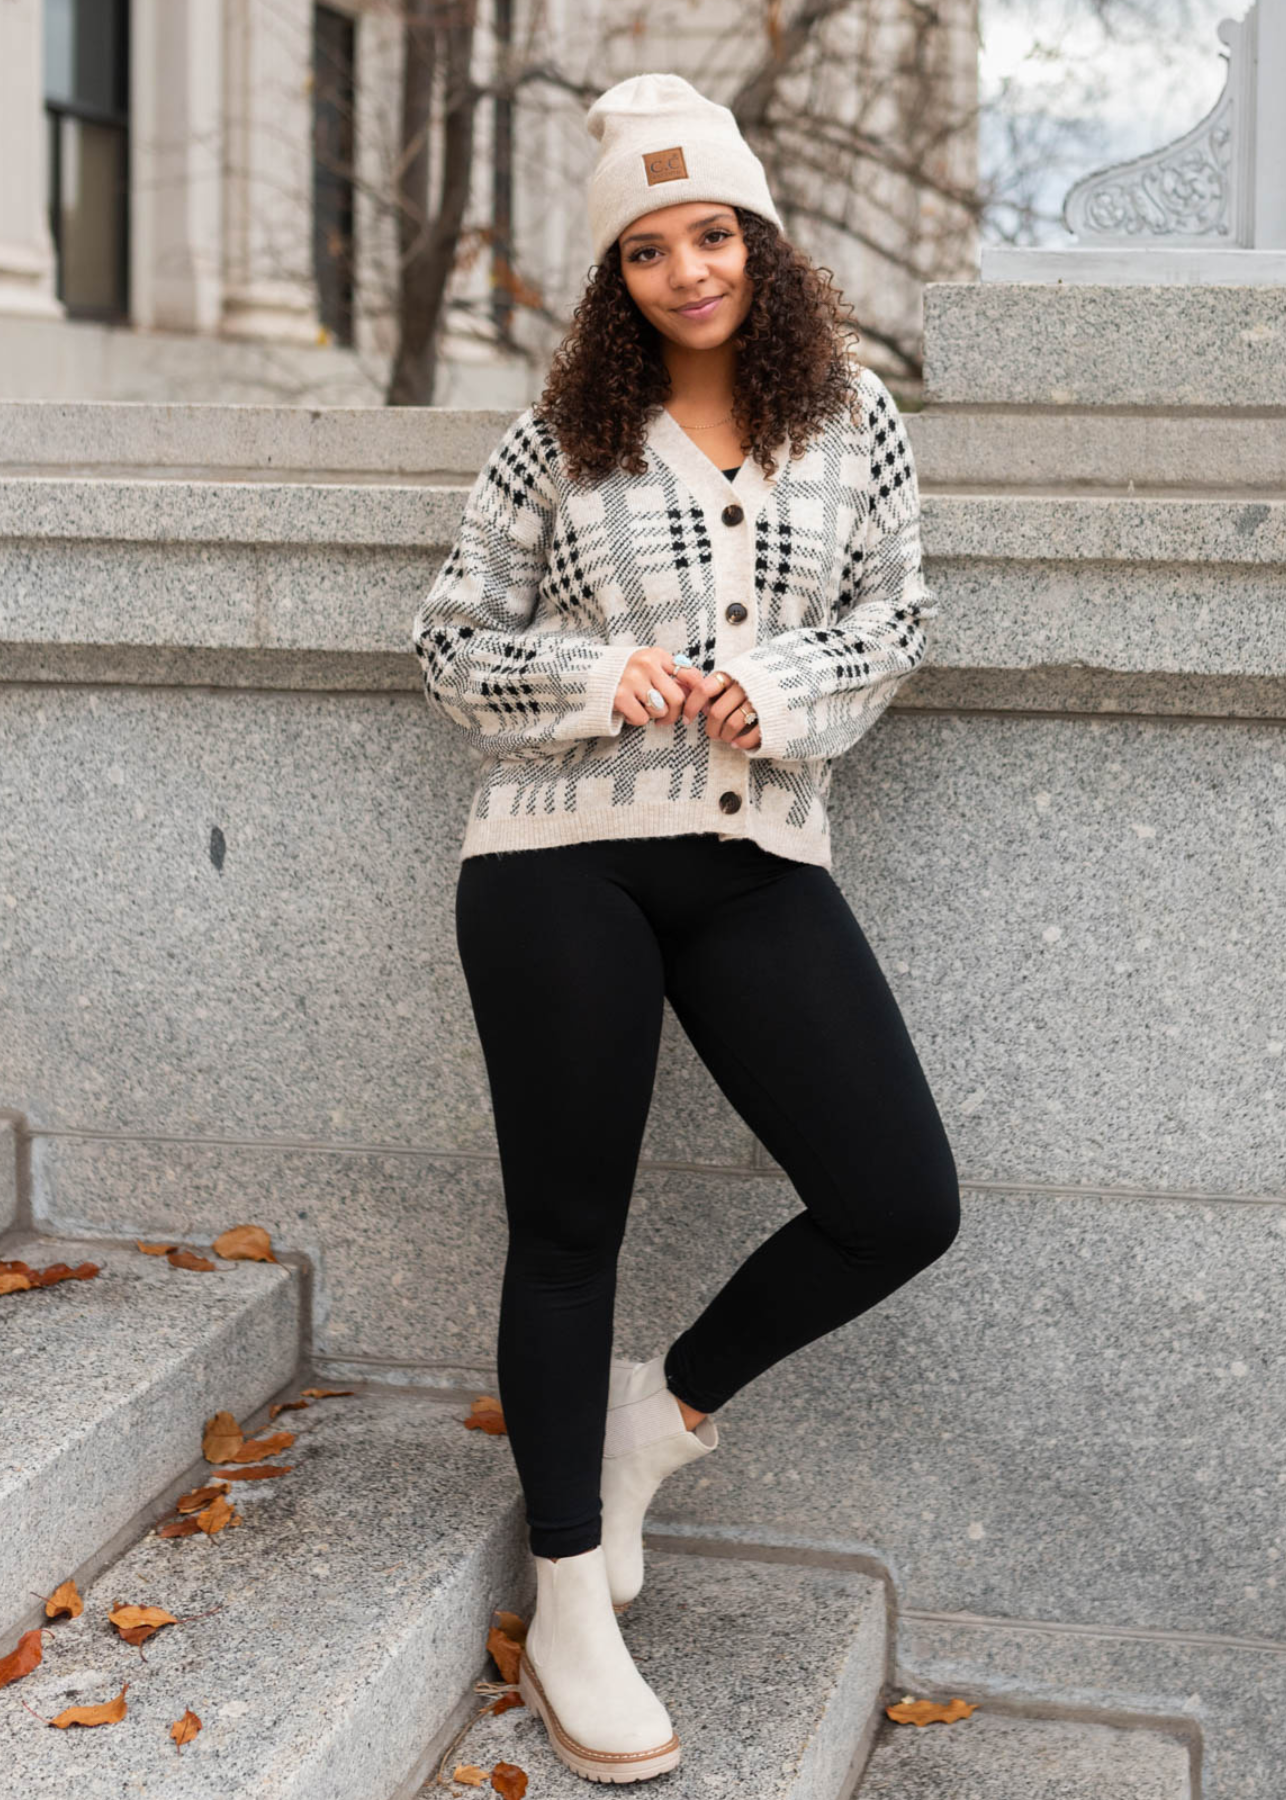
[199,198]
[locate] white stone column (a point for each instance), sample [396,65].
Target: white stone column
[1270,128]
[26,247]
[379,132]
[176,175]
[268,206]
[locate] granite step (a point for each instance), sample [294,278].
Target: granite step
[991,1756]
[107,1383]
[326,1640]
[771,1673]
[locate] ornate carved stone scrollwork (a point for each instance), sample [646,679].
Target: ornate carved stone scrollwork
[1190,191]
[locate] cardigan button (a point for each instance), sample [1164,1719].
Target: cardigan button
[735,613]
[732,514]
[730,802]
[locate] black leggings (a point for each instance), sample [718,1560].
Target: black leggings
[568,951]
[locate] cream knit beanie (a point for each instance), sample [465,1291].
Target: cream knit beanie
[664,143]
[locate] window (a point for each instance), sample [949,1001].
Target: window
[502,186]
[334,99]
[86,53]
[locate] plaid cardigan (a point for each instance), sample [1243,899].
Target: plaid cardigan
[805,587]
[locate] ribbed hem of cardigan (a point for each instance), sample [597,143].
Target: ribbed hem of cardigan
[485,836]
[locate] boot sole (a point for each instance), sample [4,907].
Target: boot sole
[594,1765]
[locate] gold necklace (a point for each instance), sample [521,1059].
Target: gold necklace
[683,427]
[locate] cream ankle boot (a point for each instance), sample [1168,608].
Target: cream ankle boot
[646,1440]
[576,1671]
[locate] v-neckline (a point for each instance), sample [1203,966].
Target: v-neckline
[702,476]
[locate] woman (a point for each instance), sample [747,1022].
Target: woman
[660,647]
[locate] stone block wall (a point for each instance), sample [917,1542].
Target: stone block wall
[231,990]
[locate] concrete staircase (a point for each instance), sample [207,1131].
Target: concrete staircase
[330,1640]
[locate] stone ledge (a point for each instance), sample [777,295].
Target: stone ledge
[261,440]
[1069,449]
[90,1431]
[1033,344]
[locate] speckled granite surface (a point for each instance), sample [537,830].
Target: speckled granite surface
[105,1385]
[991,1757]
[769,1673]
[340,1623]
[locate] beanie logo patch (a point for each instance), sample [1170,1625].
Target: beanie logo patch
[664,165]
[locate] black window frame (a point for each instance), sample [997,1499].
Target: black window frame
[335,288]
[112,118]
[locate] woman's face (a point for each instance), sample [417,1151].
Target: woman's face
[691,252]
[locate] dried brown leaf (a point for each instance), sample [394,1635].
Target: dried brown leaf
[15,1277]
[222,1438]
[22,1660]
[138,1623]
[215,1516]
[929,1712]
[65,1599]
[257,1472]
[509,1781]
[486,1415]
[506,1652]
[178,1528]
[109,1712]
[272,1445]
[188,1259]
[185,1729]
[244,1243]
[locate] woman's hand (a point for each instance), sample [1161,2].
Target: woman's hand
[653,667]
[725,719]
[685,692]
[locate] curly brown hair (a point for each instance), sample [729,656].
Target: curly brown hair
[795,361]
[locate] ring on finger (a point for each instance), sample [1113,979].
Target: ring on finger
[656,700]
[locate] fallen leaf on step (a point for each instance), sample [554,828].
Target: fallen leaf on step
[929,1712]
[244,1243]
[469,1773]
[185,1729]
[509,1781]
[188,1259]
[221,1438]
[503,1702]
[310,1394]
[154,1249]
[223,1441]
[257,1472]
[137,1623]
[178,1528]
[506,1651]
[65,1599]
[271,1445]
[24,1659]
[486,1415]
[196,1499]
[108,1713]
[15,1277]
[215,1516]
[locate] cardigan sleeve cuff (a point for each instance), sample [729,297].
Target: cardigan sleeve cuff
[597,712]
